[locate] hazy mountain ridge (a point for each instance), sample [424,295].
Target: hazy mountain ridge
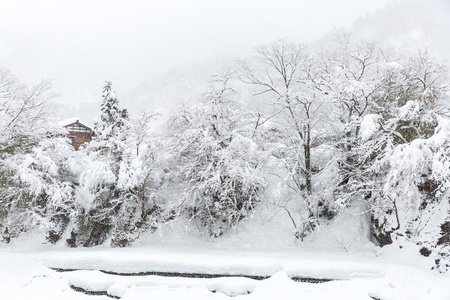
[165,92]
[412,25]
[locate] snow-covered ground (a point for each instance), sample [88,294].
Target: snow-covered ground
[28,276]
[340,252]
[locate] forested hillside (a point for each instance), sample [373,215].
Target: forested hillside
[290,129]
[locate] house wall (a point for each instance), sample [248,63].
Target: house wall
[80,138]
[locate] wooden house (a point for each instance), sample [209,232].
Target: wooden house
[79,134]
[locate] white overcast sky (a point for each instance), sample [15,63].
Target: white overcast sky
[81,43]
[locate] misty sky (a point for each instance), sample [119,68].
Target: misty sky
[79,44]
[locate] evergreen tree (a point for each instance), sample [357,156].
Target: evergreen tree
[111,131]
[107,151]
[120,181]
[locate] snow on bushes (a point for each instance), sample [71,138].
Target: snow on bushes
[218,164]
[360,123]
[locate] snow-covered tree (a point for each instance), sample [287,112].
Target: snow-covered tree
[25,113]
[356,82]
[112,118]
[140,180]
[36,183]
[397,148]
[106,152]
[117,192]
[37,190]
[294,86]
[218,163]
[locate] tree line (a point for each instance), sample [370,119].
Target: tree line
[308,132]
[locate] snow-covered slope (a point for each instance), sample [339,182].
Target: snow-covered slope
[413,25]
[410,25]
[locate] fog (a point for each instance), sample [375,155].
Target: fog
[80,44]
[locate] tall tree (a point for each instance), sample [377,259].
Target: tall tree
[112,119]
[106,152]
[290,80]
[121,179]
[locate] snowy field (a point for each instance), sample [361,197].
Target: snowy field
[261,269]
[28,275]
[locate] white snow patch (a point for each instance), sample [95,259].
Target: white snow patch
[369,125]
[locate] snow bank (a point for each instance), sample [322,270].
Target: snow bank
[359,278]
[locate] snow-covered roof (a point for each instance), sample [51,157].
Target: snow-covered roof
[79,124]
[67,121]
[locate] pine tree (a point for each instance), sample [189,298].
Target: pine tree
[120,181]
[107,151]
[112,118]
